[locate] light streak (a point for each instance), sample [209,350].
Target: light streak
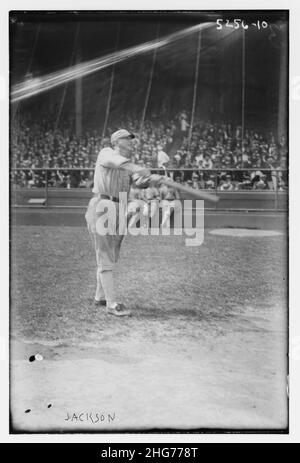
[29,88]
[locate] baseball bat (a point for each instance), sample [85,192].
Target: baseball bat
[199,194]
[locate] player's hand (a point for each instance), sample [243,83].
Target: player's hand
[141,181]
[144,172]
[156,179]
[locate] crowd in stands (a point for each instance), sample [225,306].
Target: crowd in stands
[158,144]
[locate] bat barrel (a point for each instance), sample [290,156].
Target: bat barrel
[199,194]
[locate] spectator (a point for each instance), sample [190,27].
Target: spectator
[207,162]
[262,183]
[184,125]
[210,184]
[162,157]
[245,183]
[227,185]
[35,144]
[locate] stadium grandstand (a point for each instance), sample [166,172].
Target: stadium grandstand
[205,94]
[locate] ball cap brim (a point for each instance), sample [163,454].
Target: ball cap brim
[122,133]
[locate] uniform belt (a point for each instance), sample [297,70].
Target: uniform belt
[112,198]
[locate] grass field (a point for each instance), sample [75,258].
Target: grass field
[205,346]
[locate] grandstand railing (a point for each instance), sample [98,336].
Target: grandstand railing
[43,183]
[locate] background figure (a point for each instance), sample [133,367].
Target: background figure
[168,195]
[151,198]
[162,158]
[227,185]
[184,125]
[136,195]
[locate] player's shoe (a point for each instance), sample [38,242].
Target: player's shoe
[119,310]
[101,303]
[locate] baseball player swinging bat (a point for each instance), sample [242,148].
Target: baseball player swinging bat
[114,173]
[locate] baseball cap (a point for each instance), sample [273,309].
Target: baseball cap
[122,133]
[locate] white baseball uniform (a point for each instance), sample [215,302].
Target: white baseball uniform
[109,180]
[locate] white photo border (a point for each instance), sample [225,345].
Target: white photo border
[294,241]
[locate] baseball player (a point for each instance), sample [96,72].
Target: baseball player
[136,198]
[168,195]
[114,173]
[151,201]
